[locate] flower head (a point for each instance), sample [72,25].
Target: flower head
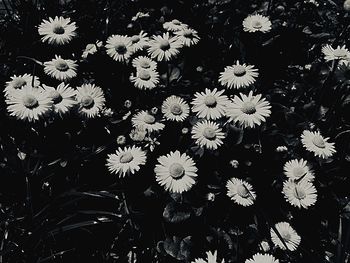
[139,41]
[254,23]
[63,98]
[175,109]
[145,79]
[61,69]
[146,121]
[208,134]
[174,25]
[91,100]
[119,47]
[211,258]
[316,143]
[298,170]
[17,82]
[240,192]
[188,37]
[300,194]
[238,76]
[262,258]
[287,238]
[341,53]
[164,48]
[142,62]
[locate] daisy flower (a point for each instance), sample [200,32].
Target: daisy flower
[164,48]
[174,25]
[314,142]
[91,100]
[146,121]
[119,47]
[175,109]
[238,76]
[208,134]
[145,79]
[176,172]
[248,111]
[126,161]
[240,192]
[341,53]
[188,37]
[262,258]
[28,104]
[61,69]
[290,237]
[211,258]
[210,104]
[142,62]
[17,82]
[298,170]
[63,98]
[139,41]
[300,194]
[254,23]
[91,49]
[57,31]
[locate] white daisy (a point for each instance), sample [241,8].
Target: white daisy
[300,194]
[17,82]
[238,76]
[262,258]
[91,100]
[58,31]
[142,62]
[146,121]
[139,41]
[210,104]
[63,98]
[254,23]
[298,170]
[91,49]
[188,37]
[145,79]
[314,142]
[176,172]
[211,258]
[240,192]
[61,69]
[28,104]
[126,161]
[119,47]
[164,48]
[208,134]
[248,111]
[341,53]
[174,25]
[290,237]
[175,109]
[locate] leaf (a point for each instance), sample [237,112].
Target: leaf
[176,213]
[186,247]
[174,74]
[172,247]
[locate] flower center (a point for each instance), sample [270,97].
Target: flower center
[59,30]
[286,236]
[248,107]
[126,157]
[19,83]
[30,102]
[55,96]
[187,33]
[340,53]
[242,191]
[257,24]
[176,171]
[210,101]
[176,22]
[239,70]
[87,101]
[164,44]
[149,119]
[144,64]
[299,193]
[135,39]
[144,75]
[209,133]
[176,109]
[120,48]
[318,142]
[61,65]
[298,172]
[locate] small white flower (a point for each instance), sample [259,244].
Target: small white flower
[61,69]
[188,37]
[208,134]
[287,238]
[300,194]
[211,258]
[164,48]
[238,76]
[262,258]
[298,170]
[145,79]
[18,82]
[139,41]
[175,109]
[119,47]
[91,100]
[254,23]
[142,62]
[341,53]
[63,98]
[314,142]
[174,25]
[240,192]
[146,121]
[91,49]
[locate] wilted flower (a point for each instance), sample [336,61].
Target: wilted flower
[91,49]
[234,163]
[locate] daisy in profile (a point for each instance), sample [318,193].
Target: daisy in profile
[262,258]
[238,76]
[145,79]
[17,82]
[290,237]
[174,25]
[300,194]
[298,170]
[57,31]
[316,143]
[248,111]
[176,172]
[210,104]
[240,192]
[29,104]
[188,37]
[119,47]
[211,258]
[164,48]
[139,41]
[254,23]
[126,161]
[63,98]
[142,62]
[91,49]
[175,109]
[146,121]
[208,134]
[61,69]
[341,53]
[91,100]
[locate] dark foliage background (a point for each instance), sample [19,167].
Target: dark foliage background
[60,204]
